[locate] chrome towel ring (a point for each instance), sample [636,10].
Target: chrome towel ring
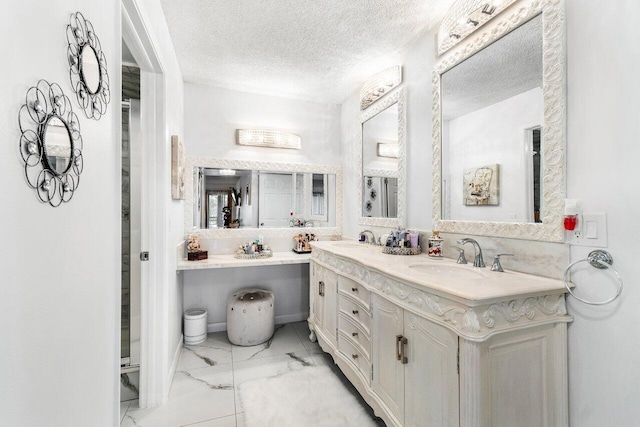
[599,259]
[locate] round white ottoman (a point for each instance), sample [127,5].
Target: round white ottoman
[250,317]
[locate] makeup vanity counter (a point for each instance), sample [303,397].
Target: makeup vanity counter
[229,261]
[432,342]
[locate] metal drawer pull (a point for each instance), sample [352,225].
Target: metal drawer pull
[321,288]
[354,311]
[354,334]
[355,356]
[401,342]
[354,289]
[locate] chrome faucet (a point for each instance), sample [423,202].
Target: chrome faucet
[478,261]
[366,238]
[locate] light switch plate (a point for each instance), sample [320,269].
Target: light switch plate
[590,231]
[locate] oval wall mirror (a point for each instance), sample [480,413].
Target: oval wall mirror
[58,144]
[50,143]
[90,69]
[87,67]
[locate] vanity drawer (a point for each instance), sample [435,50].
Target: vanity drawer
[355,290]
[353,353]
[355,311]
[349,328]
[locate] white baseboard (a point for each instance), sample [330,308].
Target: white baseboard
[174,364]
[283,318]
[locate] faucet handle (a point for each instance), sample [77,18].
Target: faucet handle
[461,257]
[496,262]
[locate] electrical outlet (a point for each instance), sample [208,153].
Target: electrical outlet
[590,231]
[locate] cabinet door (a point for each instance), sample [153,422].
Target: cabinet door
[317,290]
[431,374]
[330,315]
[388,372]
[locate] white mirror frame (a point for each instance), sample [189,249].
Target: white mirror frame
[252,233]
[554,124]
[398,96]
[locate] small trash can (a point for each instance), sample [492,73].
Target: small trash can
[250,317]
[195,326]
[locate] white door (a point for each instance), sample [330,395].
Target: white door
[431,374]
[276,193]
[388,371]
[330,316]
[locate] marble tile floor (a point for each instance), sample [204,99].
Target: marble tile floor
[204,392]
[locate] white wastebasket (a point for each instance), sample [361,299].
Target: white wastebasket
[250,317]
[195,326]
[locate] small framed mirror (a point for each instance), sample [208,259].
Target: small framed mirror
[50,143]
[87,67]
[382,162]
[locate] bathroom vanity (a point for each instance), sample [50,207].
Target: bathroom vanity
[431,342]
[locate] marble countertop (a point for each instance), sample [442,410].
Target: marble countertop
[464,281]
[228,261]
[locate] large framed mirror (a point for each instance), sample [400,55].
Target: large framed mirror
[382,176]
[229,198]
[499,127]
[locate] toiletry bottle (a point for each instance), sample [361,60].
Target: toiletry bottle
[435,245]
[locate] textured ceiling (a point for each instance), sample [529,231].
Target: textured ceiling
[510,66]
[316,50]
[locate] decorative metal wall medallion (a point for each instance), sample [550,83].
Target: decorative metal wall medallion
[50,143]
[87,67]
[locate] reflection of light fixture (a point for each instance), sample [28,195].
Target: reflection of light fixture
[227,172]
[379,85]
[268,138]
[464,17]
[386,149]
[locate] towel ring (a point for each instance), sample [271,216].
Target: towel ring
[601,260]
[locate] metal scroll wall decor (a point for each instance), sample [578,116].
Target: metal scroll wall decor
[87,67]
[50,143]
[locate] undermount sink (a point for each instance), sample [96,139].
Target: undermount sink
[447,271]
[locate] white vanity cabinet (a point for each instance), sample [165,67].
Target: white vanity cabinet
[323,298]
[415,366]
[425,350]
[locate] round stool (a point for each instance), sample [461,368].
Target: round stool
[250,317]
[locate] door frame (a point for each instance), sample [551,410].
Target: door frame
[154,328]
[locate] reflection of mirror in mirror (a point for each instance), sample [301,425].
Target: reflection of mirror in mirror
[378,168]
[57,144]
[235,198]
[492,114]
[318,202]
[90,69]
[380,197]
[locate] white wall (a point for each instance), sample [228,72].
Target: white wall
[603,59]
[60,275]
[603,152]
[212,116]
[493,134]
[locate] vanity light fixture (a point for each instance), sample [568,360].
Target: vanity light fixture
[268,138]
[227,172]
[379,85]
[464,17]
[387,149]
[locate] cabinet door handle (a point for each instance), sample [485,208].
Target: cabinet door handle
[354,334]
[355,356]
[321,288]
[354,289]
[354,311]
[401,342]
